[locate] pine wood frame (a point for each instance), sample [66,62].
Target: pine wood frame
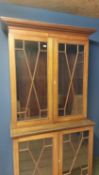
[57,148]
[85,78]
[35,137]
[90,147]
[54,127]
[33,36]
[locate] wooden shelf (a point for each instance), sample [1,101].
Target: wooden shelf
[18,132]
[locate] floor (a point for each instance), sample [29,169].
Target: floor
[96,167]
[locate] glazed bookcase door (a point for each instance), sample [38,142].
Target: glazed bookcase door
[36,155]
[30,78]
[76,157]
[70,87]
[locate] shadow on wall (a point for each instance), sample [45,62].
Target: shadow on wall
[93,91]
[96,144]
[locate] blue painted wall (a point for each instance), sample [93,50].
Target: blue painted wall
[6,161]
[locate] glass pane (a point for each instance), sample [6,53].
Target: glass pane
[70,79]
[19,44]
[31,79]
[35,157]
[75,154]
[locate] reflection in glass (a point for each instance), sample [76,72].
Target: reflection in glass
[75,153]
[31,79]
[70,79]
[35,157]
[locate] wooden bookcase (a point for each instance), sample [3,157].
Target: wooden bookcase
[49,78]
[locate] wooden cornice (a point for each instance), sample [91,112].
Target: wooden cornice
[42,26]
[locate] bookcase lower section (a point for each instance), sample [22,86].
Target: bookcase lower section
[65,152]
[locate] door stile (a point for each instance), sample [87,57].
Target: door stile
[55,80]
[50,78]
